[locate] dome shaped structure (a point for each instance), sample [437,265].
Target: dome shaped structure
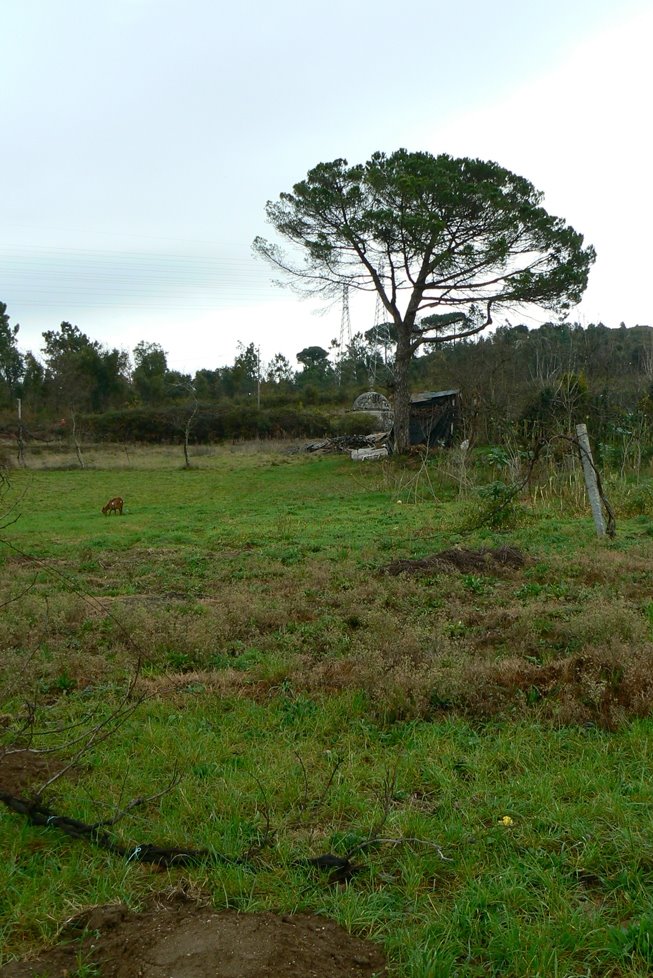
[377,406]
[371,401]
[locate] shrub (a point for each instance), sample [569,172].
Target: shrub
[230,422]
[355,423]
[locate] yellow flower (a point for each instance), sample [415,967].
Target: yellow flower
[506,820]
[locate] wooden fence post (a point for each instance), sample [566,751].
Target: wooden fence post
[590,478]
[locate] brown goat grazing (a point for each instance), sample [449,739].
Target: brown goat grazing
[113,506]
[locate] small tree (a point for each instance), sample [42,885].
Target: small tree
[150,370]
[208,384]
[279,371]
[11,361]
[33,383]
[185,413]
[316,367]
[457,239]
[246,370]
[82,374]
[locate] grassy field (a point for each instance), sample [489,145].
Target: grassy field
[491,725]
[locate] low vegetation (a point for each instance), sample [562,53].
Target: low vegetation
[485,723]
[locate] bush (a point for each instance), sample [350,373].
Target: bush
[634,500]
[355,423]
[496,506]
[228,422]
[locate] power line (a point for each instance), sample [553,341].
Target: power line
[88,278]
[59,255]
[59,228]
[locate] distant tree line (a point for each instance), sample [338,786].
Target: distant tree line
[528,382]
[538,381]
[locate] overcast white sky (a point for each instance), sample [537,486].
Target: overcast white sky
[142,138]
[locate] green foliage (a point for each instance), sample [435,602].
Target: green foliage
[409,208]
[474,583]
[245,373]
[557,407]
[149,375]
[498,507]
[633,943]
[210,425]
[355,423]
[279,370]
[11,360]
[317,371]
[519,384]
[80,374]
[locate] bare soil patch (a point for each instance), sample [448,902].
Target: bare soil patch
[486,561]
[190,941]
[23,770]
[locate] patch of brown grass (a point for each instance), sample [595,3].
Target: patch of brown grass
[603,686]
[176,687]
[495,633]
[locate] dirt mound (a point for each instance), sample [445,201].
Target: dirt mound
[189,941]
[23,770]
[486,561]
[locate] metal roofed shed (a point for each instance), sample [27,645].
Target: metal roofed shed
[433,416]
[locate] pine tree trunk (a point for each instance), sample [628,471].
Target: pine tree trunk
[402,397]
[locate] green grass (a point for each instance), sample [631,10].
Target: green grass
[295,687]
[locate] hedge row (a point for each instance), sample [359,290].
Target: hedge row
[219,424]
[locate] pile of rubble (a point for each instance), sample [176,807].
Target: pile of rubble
[359,447]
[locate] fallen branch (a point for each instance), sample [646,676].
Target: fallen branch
[144,852]
[341,867]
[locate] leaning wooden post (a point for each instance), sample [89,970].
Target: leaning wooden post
[590,478]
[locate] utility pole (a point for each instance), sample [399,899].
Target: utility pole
[345,329]
[258,378]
